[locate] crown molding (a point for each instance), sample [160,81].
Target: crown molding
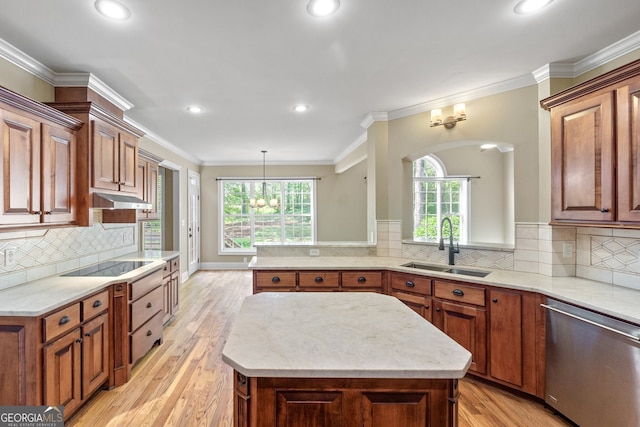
[95,84]
[27,63]
[371,118]
[274,163]
[556,70]
[608,54]
[163,142]
[355,144]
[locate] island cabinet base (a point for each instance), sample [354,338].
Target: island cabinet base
[344,402]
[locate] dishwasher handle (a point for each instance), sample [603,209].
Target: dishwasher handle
[591,322]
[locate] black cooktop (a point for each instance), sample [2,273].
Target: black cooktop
[108,268]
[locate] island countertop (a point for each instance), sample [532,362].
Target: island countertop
[339,335]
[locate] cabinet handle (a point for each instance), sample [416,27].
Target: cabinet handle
[64,320]
[47,213]
[495,300]
[97,304]
[149,333]
[87,334]
[362,279]
[438,309]
[149,305]
[36,212]
[410,284]
[426,307]
[242,379]
[79,340]
[458,292]
[319,279]
[275,279]
[118,288]
[604,210]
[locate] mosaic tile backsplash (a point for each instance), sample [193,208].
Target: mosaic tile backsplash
[47,252]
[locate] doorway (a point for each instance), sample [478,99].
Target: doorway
[193,226]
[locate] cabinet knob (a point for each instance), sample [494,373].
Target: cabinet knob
[495,300]
[97,304]
[438,309]
[79,340]
[319,279]
[149,333]
[87,335]
[149,305]
[242,379]
[458,292]
[118,288]
[362,279]
[64,320]
[604,210]
[275,279]
[410,284]
[426,307]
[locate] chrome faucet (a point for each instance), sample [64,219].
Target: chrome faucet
[452,250]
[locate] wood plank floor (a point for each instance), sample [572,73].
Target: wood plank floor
[184,382]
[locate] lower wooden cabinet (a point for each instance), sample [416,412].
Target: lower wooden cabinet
[319,280]
[62,372]
[320,402]
[171,289]
[146,297]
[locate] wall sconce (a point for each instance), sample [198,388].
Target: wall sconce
[459,114]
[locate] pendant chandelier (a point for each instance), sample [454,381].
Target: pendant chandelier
[262,202]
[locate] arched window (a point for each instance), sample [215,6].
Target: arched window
[436,196]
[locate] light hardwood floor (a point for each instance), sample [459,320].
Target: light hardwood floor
[184,381]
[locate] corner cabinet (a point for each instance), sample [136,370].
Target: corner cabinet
[147,172]
[595,150]
[38,166]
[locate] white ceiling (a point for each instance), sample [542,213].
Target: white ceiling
[247,62]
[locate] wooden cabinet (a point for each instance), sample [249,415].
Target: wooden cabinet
[147,172]
[274,281]
[319,280]
[594,150]
[460,313]
[414,291]
[107,151]
[171,289]
[305,402]
[38,163]
[76,352]
[145,315]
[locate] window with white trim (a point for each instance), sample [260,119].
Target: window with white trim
[436,196]
[292,220]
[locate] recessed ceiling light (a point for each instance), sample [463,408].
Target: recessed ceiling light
[321,8]
[530,6]
[300,108]
[113,9]
[195,109]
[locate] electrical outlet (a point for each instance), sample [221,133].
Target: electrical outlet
[567,249]
[314,252]
[9,257]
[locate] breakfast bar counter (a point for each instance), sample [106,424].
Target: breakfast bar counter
[304,359]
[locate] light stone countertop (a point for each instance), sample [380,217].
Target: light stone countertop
[42,296]
[338,335]
[617,301]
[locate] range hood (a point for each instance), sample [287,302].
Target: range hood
[118,201]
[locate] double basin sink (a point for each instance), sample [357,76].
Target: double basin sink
[447,269]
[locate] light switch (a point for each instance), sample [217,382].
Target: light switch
[567,249]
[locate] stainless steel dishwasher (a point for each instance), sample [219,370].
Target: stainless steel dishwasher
[593,367]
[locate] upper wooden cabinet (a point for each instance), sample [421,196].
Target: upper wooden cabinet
[594,150]
[107,152]
[38,163]
[148,171]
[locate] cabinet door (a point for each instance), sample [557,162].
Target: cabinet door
[141,176]
[95,354]
[175,292]
[309,409]
[396,409]
[128,163]
[166,300]
[152,190]
[62,370]
[628,151]
[582,160]
[58,175]
[20,170]
[467,326]
[418,303]
[105,156]
[505,336]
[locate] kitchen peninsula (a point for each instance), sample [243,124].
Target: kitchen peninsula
[329,357]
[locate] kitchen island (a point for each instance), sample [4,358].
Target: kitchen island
[311,359]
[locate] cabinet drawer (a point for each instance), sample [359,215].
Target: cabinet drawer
[144,308]
[459,292]
[61,321]
[411,283]
[362,279]
[143,339]
[319,279]
[276,279]
[175,264]
[95,304]
[411,298]
[144,285]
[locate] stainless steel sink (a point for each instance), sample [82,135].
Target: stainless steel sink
[450,270]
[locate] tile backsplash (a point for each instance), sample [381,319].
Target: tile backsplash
[45,252]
